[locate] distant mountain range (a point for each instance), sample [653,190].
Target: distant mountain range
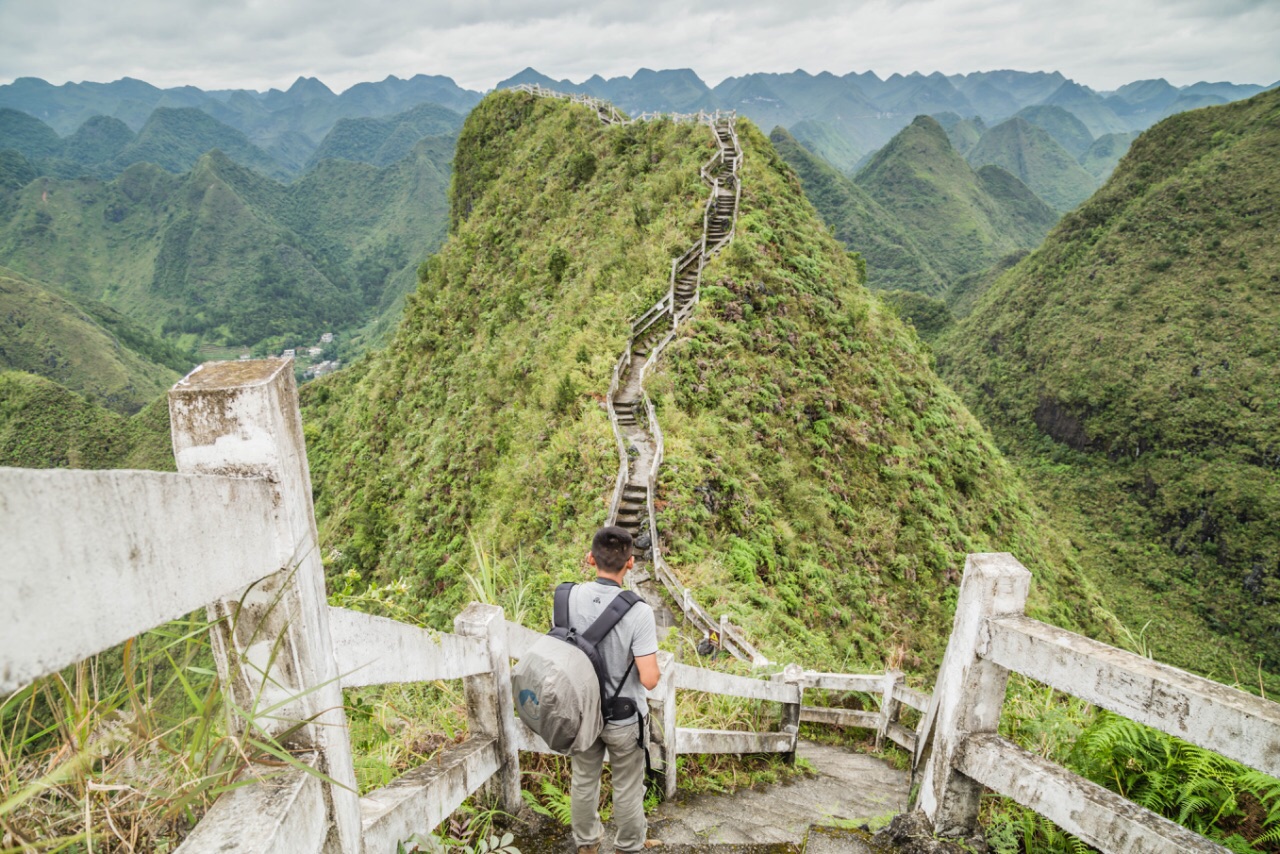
[288,126]
[222,254]
[842,118]
[860,112]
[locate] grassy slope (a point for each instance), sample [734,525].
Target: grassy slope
[43,425]
[822,484]
[42,333]
[963,220]
[1142,336]
[893,258]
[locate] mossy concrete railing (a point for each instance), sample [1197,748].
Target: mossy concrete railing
[93,558]
[991,638]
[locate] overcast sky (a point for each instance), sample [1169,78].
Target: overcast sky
[259,44]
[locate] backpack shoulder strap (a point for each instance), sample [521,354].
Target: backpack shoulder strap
[560,611]
[604,624]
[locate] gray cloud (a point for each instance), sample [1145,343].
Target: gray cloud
[258,44]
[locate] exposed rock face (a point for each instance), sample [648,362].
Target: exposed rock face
[1060,423]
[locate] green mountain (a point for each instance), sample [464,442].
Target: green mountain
[176,139]
[1089,107]
[1133,361]
[44,425]
[963,133]
[894,261]
[826,141]
[821,484]
[223,255]
[963,220]
[27,135]
[384,141]
[1104,154]
[1030,153]
[101,139]
[43,333]
[1067,130]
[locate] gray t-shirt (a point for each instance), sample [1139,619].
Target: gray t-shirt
[635,635]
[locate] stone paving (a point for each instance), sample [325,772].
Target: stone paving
[847,787]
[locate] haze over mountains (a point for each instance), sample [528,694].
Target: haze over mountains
[863,112]
[843,118]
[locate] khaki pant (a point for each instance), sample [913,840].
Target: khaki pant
[626,761]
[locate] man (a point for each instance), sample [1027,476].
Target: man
[633,639]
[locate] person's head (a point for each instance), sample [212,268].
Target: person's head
[611,550]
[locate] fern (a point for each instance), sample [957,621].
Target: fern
[555,803]
[1195,787]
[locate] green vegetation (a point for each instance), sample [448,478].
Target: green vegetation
[963,133]
[385,141]
[821,487]
[825,141]
[1102,157]
[1130,364]
[44,334]
[43,425]
[928,315]
[1030,153]
[1067,130]
[1218,798]
[222,255]
[894,260]
[129,744]
[962,295]
[964,221]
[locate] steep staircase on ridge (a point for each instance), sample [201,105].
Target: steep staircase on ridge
[629,400]
[639,437]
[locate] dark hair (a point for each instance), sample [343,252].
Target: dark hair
[611,548]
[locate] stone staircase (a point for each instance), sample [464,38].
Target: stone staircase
[817,814]
[628,400]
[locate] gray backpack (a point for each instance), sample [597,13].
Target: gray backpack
[559,684]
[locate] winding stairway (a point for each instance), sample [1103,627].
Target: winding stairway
[635,424]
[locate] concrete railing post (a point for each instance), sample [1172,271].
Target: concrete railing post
[272,644]
[792,674]
[662,721]
[490,709]
[888,706]
[969,694]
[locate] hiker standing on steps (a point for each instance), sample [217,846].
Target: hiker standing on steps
[630,655]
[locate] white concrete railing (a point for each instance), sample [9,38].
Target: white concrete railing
[94,558]
[991,638]
[667,740]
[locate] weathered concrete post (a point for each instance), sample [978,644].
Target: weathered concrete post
[490,709]
[888,707]
[792,674]
[272,644]
[662,719]
[969,694]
